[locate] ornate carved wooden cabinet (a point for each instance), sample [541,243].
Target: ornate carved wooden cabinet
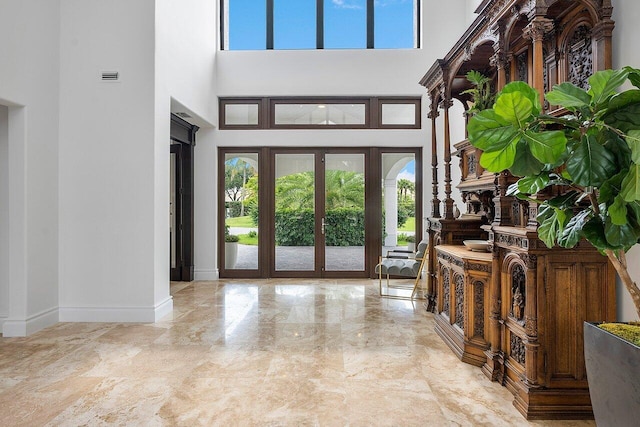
[463,321]
[534,299]
[539,299]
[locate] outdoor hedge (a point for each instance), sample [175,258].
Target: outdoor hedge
[344,227]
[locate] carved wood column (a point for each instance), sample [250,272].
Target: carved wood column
[499,61]
[494,367]
[499,58]
[502,203]
[601,34]
[534,377]
[536,31]
[448,201]
[435,205]
[433,115]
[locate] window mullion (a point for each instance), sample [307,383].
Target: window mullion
[370,24]
[269,24]
[319,24]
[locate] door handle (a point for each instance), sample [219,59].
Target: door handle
[322,226]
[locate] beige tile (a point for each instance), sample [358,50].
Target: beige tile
[276,352]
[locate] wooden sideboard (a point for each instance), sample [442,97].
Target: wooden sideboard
[461,317]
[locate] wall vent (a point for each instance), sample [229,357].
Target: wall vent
[110,76]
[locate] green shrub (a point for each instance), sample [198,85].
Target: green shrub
[233,209]
[295,227]
[345,227]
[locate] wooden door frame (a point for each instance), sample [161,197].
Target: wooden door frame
[183,142]
[373,207]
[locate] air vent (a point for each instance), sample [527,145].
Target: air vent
[183,115]
[110,76]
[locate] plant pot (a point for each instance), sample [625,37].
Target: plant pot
[411,246]
[230,254]
[613,372]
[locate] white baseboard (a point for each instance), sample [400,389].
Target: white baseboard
[117,314]
[164,308]
[23,328]
[206,274]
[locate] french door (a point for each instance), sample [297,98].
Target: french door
[314,212]
[318,213]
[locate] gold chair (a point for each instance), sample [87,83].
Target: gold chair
[402,263]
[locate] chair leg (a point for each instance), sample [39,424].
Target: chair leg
[418,277]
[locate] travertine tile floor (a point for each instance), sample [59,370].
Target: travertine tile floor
[243,353]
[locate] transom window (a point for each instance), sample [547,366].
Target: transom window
[319,24]
[320,113]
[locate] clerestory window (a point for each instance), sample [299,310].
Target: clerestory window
[319,24]
[320,113]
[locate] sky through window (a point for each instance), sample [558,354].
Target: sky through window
[295,24]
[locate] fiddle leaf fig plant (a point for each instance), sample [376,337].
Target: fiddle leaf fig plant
[591,156]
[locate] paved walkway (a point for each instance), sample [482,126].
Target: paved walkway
[301,258]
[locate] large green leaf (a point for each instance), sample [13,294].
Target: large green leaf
[591,164]
[489,132]
[565,200]
[614,143]
[631,184]
[622,101]
[547,146]
[551,228]
[618,211]
[620,236]
[633,139]
[634,213]
[625,119]
[533,184]
[604,83]
[569,96]
[544,212]
[593,231]
[634,76]
[611,187]
[525,164]
[514,107]
[524,89]
[573,231]
[497,161]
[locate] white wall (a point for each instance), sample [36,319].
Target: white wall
[4,214]
[107,164]
[626,52]
[472,5]
[29,86]
[186,44]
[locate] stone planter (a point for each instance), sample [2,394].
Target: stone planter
[230,254]
[613,372]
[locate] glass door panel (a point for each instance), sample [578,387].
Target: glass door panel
[294,219]
[344,219]
[398,201]
[241,211]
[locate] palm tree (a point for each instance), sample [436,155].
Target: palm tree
[236,173]
[343,189]
[295,191]
[405,186]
